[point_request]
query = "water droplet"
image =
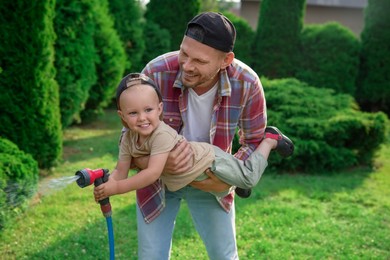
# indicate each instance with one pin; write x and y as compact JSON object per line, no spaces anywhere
{"x":49,"y":186}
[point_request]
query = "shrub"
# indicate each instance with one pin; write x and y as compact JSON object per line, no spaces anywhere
{"x":127,"y":16}
{"x":373,"y":91}
{"x":276,"y":47}
{"x":157,"y":41}
{"x":18,"y":180}
{"x":172,"y":16}
{"x":330,"y":57}
{"x":328,"y":130}
{"x":75,"y":57}
{"x":244,"y":39}
{"x":29,"y":100}
{"x":110,"y":65}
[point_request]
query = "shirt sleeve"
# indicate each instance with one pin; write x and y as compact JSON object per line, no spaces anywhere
{"x":252,"y":122}
{"x":163,"y":141}
{"x":124,"y":147}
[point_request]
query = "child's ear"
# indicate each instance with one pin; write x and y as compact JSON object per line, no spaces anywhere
{"x":160,"y":107}
{"x":119,"y":113}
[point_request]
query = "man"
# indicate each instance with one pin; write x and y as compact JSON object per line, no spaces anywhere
{"x":207,"y":94}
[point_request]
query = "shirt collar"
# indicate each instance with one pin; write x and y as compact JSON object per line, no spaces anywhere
{"x":223,"y":82}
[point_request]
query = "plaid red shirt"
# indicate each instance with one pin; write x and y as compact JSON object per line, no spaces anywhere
{"x":240,"y":103}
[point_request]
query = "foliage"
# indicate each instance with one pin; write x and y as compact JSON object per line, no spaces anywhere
{"x":373,"y":87}
{"x":172,"y":16}
{"x":331,"y":57}
{"x":29,"y":100}
{"x":276,"y":47}
{"x":18,"y":180}
{"x":157,"y":41}
{"x":208,"y":5}
{"x":111,"y":64}
{"x":244,"y":38}
{"x":328,"y":130}
{"x":127,"y":16}
{"x":75,"y":56}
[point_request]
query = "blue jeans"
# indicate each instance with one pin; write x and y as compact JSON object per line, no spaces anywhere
{"x":215,"y":226}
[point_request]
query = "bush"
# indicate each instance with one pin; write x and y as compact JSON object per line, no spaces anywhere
{"x":75,"y":57}
{"x":172,"y":16}
{"x":110,"y":65}
{"x":373,"y":82}
{"x":328,"y":130}
{"x":330,"y":57}
{"x":244,"y":39}
{"x":127,"y":16}
{"x":157,"y":41}
{"x":18,"y":180}
{"x":29,"y":100}
{"x":276,"y":47}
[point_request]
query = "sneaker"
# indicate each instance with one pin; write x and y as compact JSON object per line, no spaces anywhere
{"x":243,"y":193}
{"x":285,"y":146}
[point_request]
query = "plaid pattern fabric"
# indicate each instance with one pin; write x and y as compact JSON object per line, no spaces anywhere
{"x":240,"y":102}
{"x":151,"y":200}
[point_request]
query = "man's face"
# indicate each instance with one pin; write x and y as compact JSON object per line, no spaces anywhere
{"x":200,"y":64}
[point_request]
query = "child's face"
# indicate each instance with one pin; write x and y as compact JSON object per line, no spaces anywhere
{"x":140,"y":109}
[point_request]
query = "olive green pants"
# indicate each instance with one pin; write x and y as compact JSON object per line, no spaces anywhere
{"x":244,"y":174}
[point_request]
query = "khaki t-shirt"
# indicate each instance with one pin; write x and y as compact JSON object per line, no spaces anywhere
{"x":162,"y":140}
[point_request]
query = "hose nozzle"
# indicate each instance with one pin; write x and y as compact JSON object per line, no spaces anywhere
{"x":97,"y":177}
{"x":88,"y":176}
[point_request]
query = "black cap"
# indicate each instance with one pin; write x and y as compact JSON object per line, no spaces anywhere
{"x":218,"y":31}
{"x":133,"y":79}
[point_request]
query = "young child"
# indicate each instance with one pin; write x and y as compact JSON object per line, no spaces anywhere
{"x":140,"y":108}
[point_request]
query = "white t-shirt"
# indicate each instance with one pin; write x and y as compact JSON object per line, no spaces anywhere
{"x":200,"y":110}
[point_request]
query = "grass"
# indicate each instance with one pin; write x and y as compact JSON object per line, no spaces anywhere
{"x":335,"y":216}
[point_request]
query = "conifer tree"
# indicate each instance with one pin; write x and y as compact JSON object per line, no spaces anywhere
{"x":373,"y":84}
{"x":172,"y":16}
{"x":75,"y":56}
{"x":29,"y":99}
{"x":276,"y":47}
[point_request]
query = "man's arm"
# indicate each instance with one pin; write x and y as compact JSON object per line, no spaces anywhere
{"x":178,"y":162}
{"x":211,"y":184}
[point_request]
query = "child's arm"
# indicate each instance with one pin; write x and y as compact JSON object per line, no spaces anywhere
{"x":142,"y":179}
{"x":120,"y":172}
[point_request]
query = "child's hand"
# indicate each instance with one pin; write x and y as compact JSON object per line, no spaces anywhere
{"x":105,"y":190}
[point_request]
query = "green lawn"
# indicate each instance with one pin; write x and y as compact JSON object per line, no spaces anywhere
{"x":339,"y":216}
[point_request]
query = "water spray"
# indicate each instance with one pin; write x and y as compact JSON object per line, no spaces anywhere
{"x":98,"y":177}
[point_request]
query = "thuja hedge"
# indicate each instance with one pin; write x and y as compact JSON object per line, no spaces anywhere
{"x":373,"y":88}
{"x":29,"y":99}
{"x":18,"y":180}
{"x":244,"y":39}
{"x":173,"y":16}
{"x":156,"y":41}
{"x":128,"y":23}
{"x":110,"y":65}
{"x":329,"y":131}
{"x":75,"y":56}
{"x":276,"y":47}
{"x":331,"y":57}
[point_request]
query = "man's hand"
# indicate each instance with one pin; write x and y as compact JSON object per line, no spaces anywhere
{"x":211,"y":184}
{"x":179,"y":159}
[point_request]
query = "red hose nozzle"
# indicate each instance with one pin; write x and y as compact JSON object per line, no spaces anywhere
{"x":97,"y":177}
{"x":88,"y":176}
